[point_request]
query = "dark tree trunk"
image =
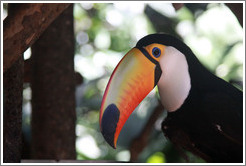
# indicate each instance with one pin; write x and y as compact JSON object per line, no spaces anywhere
{"x":53,"y":91}
{"x":12,"y":108}
{"x":12,"y":115}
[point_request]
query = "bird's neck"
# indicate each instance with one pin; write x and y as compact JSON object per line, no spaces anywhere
{"x":175,"y":83}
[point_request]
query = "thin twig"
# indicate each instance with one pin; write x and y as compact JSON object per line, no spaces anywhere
{"x":141,"y":141}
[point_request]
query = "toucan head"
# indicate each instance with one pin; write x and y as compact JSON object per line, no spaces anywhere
{"x":138,"y":72}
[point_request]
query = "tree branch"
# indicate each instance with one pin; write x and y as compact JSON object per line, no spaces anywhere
{"x":139,"y":143}
{"x":24,"y":26}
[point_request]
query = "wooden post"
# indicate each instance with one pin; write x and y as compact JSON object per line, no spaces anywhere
{"x":53,"y":91}
{"x":12,"y":107}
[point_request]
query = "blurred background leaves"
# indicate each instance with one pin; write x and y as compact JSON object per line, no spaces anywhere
{"x":104,"y":32}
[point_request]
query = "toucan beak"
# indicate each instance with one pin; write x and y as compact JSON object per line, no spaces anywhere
{"x":132,"y":80}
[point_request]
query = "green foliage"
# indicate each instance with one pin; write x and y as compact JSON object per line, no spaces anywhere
{"x":157,"y":157}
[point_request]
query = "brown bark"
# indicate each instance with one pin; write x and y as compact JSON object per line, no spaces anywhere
{"x":12,"y":115}
{"x":139,"y":143}
{"x":28,"y":73}
{"x":12,"y":108}
{"x":24,"y":26}
{"x":177,"y":6}
{"x":53,"y":91}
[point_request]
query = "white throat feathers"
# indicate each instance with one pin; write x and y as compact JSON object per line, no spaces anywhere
{"x":174,"y":84}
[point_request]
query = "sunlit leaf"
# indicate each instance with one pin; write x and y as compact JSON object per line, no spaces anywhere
{"x":157,"y":157}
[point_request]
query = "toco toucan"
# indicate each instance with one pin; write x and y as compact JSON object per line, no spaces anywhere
{"x":205,"y":113}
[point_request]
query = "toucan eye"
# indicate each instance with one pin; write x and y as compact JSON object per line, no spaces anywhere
{"x":156,"y":52}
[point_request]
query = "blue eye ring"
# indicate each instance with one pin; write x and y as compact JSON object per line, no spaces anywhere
{"x":156,"y":52}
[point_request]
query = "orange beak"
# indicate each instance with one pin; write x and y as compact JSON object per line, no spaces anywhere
{"x":132,"y":80}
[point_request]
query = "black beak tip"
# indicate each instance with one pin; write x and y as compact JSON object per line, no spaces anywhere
{"x":109,"y":123}
{"x":109,"y":139}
